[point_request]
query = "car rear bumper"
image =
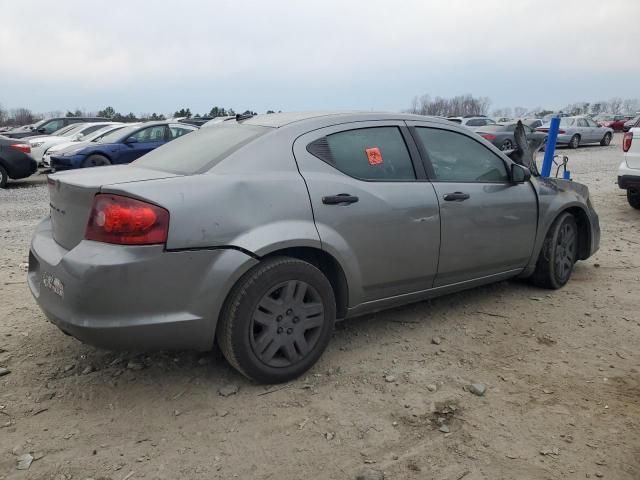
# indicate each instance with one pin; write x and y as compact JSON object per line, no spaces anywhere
{"x":628,"y":178}
{"x":132,"y":297}
{"x":22,"y":168}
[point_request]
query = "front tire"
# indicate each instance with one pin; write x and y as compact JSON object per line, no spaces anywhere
{"x":277,"y":320}
{"x":4,"y":177}
{"x":558,"y":255}
{"x":574,"y":142}
{"x":634,"y":199}
{"x":95,"y":161}
{"x":606,"y":140}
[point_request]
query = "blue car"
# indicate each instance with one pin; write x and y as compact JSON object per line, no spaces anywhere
{"x":120,"y":146}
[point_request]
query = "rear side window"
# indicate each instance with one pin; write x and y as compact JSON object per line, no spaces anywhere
{"x":457,"y":158}
{"x":200,"y":151}
{"x":476,"y":123}
{"x":377,"y":153}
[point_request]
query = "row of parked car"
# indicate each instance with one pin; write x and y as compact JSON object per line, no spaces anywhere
{"x":77,"y":142}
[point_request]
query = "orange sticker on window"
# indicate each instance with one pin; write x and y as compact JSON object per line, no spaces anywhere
{"x":374,"y":156}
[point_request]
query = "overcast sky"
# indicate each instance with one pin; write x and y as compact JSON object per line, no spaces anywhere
{"x":158,"y":56}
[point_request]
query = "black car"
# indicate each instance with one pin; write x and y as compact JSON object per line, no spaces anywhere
{"x":15,"y":161}
{"x":50,"y":125}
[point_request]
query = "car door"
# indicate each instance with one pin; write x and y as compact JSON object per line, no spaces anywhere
{"x":585,"y":132}
{"x":597,"y":132}
{"x":488,"y":224}
{"x":373,"y":207}
{"x":142,"y":142}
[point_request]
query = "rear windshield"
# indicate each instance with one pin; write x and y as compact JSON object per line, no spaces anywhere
{"x":454,"y":120}
{"x":201,"y":150}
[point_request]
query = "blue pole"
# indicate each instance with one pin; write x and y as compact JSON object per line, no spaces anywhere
{"x":550,"y":147}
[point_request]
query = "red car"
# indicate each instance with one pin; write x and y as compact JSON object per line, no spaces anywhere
{"x":612,"y":121}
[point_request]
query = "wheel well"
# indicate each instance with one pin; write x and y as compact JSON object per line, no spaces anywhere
{"x":584,"y":231}
{"x":327,"y":265}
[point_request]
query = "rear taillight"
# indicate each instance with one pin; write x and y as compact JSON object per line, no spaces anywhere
{"x":488,"y":136}
{"x":626,"y":141}
{"x":561,"y":132}
{"x":126,"y":221}
{"x":21,"y":147}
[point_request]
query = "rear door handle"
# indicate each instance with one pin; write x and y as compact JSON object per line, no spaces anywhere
{"x":340,"y":198}
{"x":456,"y":197}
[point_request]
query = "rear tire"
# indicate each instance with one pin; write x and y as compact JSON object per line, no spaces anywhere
{"x":606,"y":140}
{"x":95,"y":161}
{"x":574,"y":142}
{"x":558,"y":254}
{"x":634,"y":199}
{"x":4,"y":177}
{"x":277,"y":320}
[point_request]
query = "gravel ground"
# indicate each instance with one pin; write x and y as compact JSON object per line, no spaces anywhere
{"x":560,"y":368}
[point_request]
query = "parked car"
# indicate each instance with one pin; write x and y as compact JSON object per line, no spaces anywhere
{"x":15,"y":161}
{"x":471,"y":121}
{"x":502,"y":135}
{"x":121,"y":146}
{"x":51,"y":125}
{"x":629,"y":124}
{"x":629,"y":170}
{"x":261,"y":233}
{"x":533,"y":122}
{"x":75,"y":143}
{"x":576,"y":131}
{"x":616,"y":122}
{"x":40,"y":144}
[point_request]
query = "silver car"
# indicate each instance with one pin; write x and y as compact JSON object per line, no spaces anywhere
{"x":575,"y":131}
{"x":259,"y":234}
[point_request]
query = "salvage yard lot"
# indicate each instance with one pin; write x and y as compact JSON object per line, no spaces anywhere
{"x":561,"y":370}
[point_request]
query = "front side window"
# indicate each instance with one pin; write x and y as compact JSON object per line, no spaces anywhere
{"x":591,"y":123}
{"x":476,"y":123}
{"x":458,"y":158}
{"x":377,"y":153}
{"x":582,"y":122}
{"x":150,"y":134}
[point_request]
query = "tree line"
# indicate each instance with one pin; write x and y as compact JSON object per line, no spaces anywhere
{"x":457,"y":106}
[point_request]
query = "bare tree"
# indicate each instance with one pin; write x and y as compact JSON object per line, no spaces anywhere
{"x":3,"y":115}
{"x":446,"y":107}
{"x":519,"y":112}
{"x":22,"y":116}
{"x":615,"y":104}
{"x":630,"y":105}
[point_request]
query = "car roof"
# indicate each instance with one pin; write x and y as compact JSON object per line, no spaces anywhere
{"x":277,"y":120}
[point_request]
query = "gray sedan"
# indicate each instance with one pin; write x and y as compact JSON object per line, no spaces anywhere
{"x":259,"y":234}
{"x":575,"y":131}
{"x":502,"y":135}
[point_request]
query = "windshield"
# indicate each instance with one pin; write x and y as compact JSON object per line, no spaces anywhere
{"x":201,"y":150}
{"x":70,"y":130}
{"x":116,"y":135}
{"x":98,"y":134}
{"x":64,"y":130}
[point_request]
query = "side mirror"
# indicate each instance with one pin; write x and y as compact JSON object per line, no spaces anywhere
{"x":42,"y":130}
{"x":519,"y":173}
{"x":131,"y":140}
{"x":78,"y":137}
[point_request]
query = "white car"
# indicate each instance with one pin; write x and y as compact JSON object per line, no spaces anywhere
{"x":471,"y":121}
{"x":73,"y":143}
{"x":40,"y":144}
{"x":629,"y":171}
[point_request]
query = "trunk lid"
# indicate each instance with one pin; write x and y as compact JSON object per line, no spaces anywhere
{"x":71,"y":196}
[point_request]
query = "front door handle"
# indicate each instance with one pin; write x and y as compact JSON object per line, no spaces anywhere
{"x":456,"y":197}
{"x":340,"y":198}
